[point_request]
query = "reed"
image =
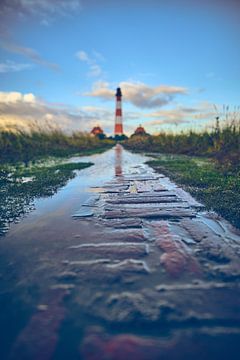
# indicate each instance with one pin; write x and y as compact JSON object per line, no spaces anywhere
{"x":222,"y":143}
{"x":27,"y":146}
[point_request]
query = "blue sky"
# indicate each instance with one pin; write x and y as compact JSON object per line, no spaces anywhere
{"x":61,"y":61}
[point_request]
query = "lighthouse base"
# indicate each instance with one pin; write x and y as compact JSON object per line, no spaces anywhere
{"x":118,"y":129}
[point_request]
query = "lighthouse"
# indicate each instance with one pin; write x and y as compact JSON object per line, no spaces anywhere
{"x":118,"y":113}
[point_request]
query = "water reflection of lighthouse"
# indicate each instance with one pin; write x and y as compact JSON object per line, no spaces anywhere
{"x":118,"y":160}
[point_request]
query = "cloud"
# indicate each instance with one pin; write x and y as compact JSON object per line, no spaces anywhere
{"x":83,"y":56}
{"x":44,"y":10}
{"x":16,"y":97}
{"x":23,"y":111}
{"x":9,"y":45}
{"x":98,"y":55}
{"x":139,"y":94}
{"x":95,"y":69}
{"x":101,"y":90}
{"x":11,"y":66}
{"x":181,"y":115}
{"x":18,"y":12}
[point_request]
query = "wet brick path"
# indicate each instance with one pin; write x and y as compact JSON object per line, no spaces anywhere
{"x":159,"y":280}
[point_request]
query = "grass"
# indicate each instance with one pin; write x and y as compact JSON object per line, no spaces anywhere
{"x":216,"y":188}
{"x":20,"y":185}
{"x":221,"y":143}
{"x":18,"y":146}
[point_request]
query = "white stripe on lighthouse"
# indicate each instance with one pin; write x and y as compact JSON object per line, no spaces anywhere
{"x":118,"y":120}
{"x":118,"y":105}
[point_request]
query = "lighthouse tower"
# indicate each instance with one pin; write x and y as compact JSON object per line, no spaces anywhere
{"x":118,"y":114}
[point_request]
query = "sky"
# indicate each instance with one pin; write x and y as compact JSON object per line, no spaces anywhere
{"x":177,"y":63}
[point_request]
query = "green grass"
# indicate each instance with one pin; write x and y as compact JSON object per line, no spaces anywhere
{"x":217,"y":189}
{"x":221,"y":143}
{"x":22,"y":146}
{"x":20,"y":185}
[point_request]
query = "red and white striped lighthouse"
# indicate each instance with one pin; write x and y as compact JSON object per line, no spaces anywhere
{"x":118,"y":114}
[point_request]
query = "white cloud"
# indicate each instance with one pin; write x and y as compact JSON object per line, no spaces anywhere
{"x":98,"y":55}
{"x":95,"y":69}
{"x":139,"y":94}
{"x":22,"y":111}
{"x":83,"y":56}
{"x":11,"y":66}
{"x":9,"y":45}
{"x":181,"y":116}
{"x":29,"y":98}
{"x":16,"y":97}
{"x":44,"y":10}
{"x":101,"y":90}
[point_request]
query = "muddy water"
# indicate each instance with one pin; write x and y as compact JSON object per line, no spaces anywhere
{"x":120,"y":264}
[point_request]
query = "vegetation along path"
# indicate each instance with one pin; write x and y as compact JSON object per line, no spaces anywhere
{"x":121,"y":264}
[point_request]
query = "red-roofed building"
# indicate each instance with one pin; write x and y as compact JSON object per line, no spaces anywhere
{"x":140,"y":131}
{"x":98,"y":132}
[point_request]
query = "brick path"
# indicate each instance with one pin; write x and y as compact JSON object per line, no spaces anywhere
{"x":159,"y":280}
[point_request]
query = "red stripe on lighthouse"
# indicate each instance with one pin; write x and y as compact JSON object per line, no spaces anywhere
{"x":119,"y":112}
{"x":118,"y":129}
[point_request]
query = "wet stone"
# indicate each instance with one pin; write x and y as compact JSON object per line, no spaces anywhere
{"x":140,"y":177}
{"x":143,"y":200}
{"x":159,"y":188}
{"x":188,"y":241}
{"x":153,"y":194}
{"x":86,"y":263}
{"x":146,"y":206}
{"x":91,"y":201}
{"x":229,"y":272}
{"x":196,"y":230}
{"x":131,"y":306}
{"x":130,"y":265}
{"x":115,"y":189}
{"x":143,"y":186}
{"x":127,"y":236}
{"x":67,"y":275}
{"x":83,"y":213}
{"x":149,"y":214}
{"x":117,"y":249}
{"x":42,"y":307}
{"x":197,"y":285}
{"x":177,"y":257}
{"x":123,"y":223}
{"x":38,"y":340}
{"x":63,"y":286}
{"x":216,"y":341}
{"x":174,"y":263}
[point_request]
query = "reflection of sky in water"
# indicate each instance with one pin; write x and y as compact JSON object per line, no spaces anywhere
{"x":62,"y":205}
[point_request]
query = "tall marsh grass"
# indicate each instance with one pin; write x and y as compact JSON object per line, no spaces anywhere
{"x":29,"y":145}
{"x":222,"y":143}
